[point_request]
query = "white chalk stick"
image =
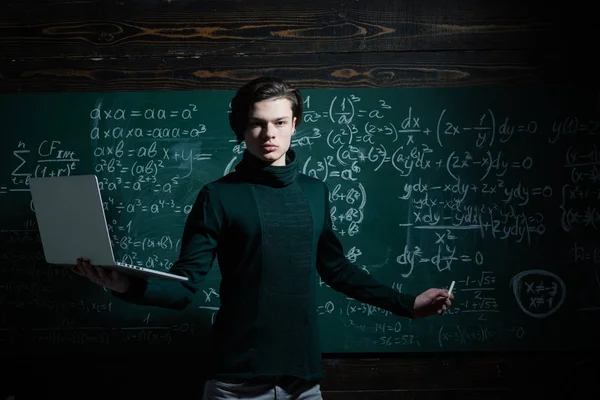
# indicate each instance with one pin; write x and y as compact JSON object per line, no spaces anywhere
{"x":451,"y":287}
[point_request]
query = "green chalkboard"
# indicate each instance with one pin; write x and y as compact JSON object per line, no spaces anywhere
{"x":495,"y":188}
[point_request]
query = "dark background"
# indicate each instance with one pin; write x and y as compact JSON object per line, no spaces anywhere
{"x":169,"y":45}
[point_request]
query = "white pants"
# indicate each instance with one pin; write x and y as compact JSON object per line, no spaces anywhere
{"x":288,"y":388}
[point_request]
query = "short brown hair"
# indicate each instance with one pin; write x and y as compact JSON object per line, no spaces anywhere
{"x":259,"y":89}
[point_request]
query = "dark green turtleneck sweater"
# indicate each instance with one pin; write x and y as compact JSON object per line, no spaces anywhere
{"x":270,"y":229}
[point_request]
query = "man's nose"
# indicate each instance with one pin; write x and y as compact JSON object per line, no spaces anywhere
{"x":269,"y":130}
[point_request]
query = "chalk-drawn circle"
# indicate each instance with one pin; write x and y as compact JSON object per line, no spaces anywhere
{"x":521,"y":289}
{"x":547,"y":191}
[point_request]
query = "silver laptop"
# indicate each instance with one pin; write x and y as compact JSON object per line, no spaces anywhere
{"x":72,"y":224}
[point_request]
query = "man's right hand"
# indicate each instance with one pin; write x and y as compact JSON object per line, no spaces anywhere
{"x":110,"y":279}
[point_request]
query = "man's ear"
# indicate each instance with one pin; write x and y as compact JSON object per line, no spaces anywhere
{"x":294,"y":125}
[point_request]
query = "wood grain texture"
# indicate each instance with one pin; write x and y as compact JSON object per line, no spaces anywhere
{"x":124,"y":28}
{"x":470,"y":376}
{"x":434,"y":371}
{"x":461,"y":371}
{"x":426,"y":69}
{"x":492,"y":394}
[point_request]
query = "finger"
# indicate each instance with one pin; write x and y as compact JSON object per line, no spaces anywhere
{"x":90,"y":272}
{"x":441,"y":299}
{"x":448,"y":303}
{"x":92,"y":269}
{"x":75,"y":269}
{"x":83,"y":270}
{"x":82,"y":265}
{"x":115,"y":275}
{"x":101,"y":272}
{"x":445,"y":297}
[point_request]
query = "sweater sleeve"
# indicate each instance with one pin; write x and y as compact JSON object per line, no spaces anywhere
{"x":345,"y":277}
{"x":197,"y":254}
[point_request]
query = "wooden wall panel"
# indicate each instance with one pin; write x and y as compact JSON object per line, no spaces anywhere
{"x":171,"y":28}
{"x":404,"y":376}
{"x":462,"y":371}
{"x":423,"y":69}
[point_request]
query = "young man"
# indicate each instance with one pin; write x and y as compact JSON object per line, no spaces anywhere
{"x":270,"y":228}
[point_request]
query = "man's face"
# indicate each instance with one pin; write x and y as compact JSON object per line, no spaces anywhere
{"x":269,"y":131}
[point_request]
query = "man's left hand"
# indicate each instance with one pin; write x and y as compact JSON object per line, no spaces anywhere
{"x":431,"y":302}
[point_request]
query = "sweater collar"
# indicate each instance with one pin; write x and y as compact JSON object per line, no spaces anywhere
{"x":256,"y":171}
